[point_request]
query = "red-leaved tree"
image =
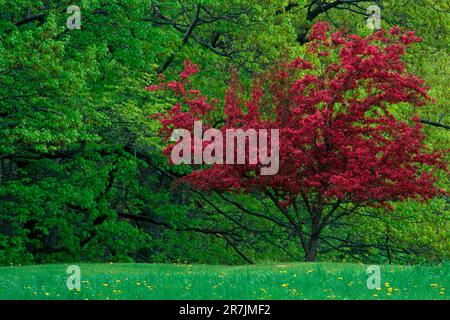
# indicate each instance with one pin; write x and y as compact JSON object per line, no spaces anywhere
{"x":341,"y":148}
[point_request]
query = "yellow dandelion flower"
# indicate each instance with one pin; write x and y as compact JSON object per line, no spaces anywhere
{"x":117,"y":281}
{"x":284,"y":285}
{"x":47,"y":294}
{"x":387,"y":284}
{"x":434,"y":285}
{"x":105,"y":285}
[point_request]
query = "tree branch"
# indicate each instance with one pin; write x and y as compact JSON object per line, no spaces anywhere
{"x":435,"y":124}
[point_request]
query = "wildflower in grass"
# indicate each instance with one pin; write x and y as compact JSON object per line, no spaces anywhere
{"x":138,"y":283}
{"x":47,"y":294}
{"x":434,"y":285}
{"x":387,"y":284}
{"x":117,"y":281}
{"x":340,"y":278}
{"x":284,"y":285}
{"x":389,"y":290}
{"x":105,"y":285}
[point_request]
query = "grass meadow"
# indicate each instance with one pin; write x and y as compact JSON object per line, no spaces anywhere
{"x":329,"y":281}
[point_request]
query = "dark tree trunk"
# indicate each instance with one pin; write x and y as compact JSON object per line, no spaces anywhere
{"x":311,"y":253}
{"x":313,"y":243}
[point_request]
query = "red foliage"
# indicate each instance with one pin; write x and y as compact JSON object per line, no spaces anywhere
{"x":337,"y":137}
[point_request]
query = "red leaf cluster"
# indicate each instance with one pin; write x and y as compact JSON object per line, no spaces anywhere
{"x":338,"y":137}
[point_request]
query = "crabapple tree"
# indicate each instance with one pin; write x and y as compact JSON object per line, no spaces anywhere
{"x":340,"y":146}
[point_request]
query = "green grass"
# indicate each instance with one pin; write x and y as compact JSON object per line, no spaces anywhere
{"x":275,"y":281}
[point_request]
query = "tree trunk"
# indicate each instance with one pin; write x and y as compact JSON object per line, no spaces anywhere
{"x":311,"y":253}
{"x":313,"y":243}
